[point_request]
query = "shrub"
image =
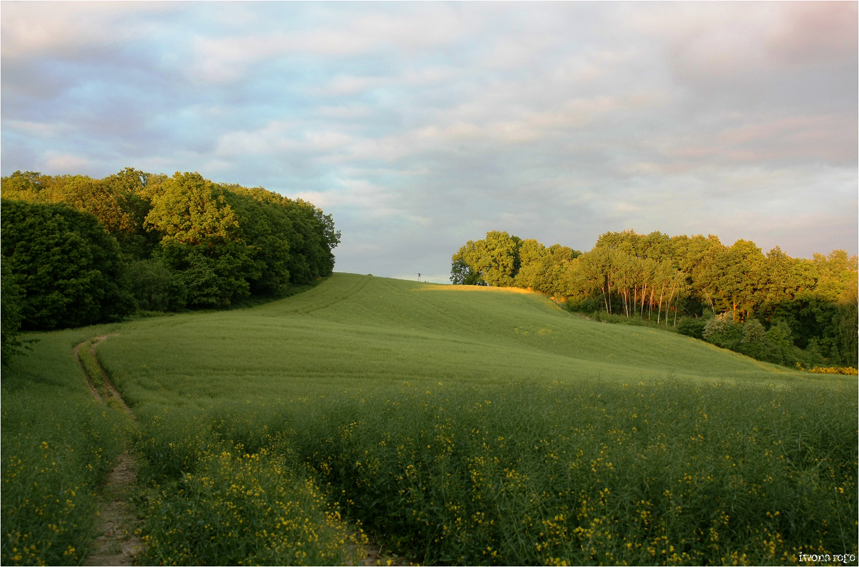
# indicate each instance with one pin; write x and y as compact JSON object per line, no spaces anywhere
{"x":691,"y":327}
{"x":721,"y":331}
{"x":835,"y":370}
{"x":753,"y":332}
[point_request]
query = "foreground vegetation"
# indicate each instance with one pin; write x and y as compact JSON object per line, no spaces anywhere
{"x":597,"y":473}
{"x":58,"y":442}
{"x":454,"y":424}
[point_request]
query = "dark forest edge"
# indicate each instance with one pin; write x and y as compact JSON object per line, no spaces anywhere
{"x":790,"y":311}
{"x":79,"y":251}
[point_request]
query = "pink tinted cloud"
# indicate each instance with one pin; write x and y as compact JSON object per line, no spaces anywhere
{"x":814,"y":32}
{"x":803,"y":138}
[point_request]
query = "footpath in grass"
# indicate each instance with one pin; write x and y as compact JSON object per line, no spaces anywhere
{"x":58,"y":443}
{"x":118,"y":543}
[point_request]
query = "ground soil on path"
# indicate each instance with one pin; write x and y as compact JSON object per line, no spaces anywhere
{"x":118,"y":526}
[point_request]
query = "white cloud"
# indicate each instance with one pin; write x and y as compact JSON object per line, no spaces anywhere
{"x":41,"y":129}
{"x":343,"y":85}
{"x":715,"y":41}
{"x":228,"y":59}
{"x":345,"y":112}
{"x":270,"y":139}
{"x":63,"y":163}
{"x":370,"y":199}
{"x":64,"y":29}
{"x":278,"y":138}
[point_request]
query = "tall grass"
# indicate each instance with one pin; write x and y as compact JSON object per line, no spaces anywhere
{"x":58,"y":442}
{"x":650,"y":473}
{"x":229,"y":492}
{"x":597,"y":473}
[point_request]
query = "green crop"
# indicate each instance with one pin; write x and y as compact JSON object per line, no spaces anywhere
{"x":467,"y":425}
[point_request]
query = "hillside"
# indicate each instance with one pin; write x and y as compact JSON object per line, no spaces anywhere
{"x":453,"y":424}
{"x":358,"y":331}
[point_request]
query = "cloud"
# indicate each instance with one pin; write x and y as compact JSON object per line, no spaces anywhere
{"x":44,"y":29}
{"x":810,"y":138}
{"x":808,"y":34}
{"x":228,"y":59}
{"x":66,"y":162}
{"x":38,"y":129}
{"x":345,"y":112}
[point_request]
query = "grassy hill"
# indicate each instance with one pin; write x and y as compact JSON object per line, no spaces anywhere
{"x":356,"y":331}
{"x":457,"y":425}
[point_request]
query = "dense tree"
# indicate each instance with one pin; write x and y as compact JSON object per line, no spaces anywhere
{"x":846,"y":323}
{"x":210,"y":244}
{"x":156,"y":286}
{"x":736,"y":272}
{"x":493,"y":261}
{"x":543,"y":269}
{"x":807,"y":309}
{"x":68,"y":267}
{"x":10,"y":313}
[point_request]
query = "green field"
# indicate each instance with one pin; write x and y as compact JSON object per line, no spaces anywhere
{"x":456,"y":425}
{"x":367,"y":332}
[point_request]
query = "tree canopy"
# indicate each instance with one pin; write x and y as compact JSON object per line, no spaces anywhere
{"x":811,"y":303}
{"x":174,"y":242}
{"x":66,"y":265}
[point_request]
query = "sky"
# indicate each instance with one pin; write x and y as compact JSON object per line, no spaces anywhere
{"x":420,"y":126}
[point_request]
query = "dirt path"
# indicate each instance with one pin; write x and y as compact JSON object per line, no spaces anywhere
{"x":362,"y":551}
{"x":118,"y":542}
{"x":92,"y":389}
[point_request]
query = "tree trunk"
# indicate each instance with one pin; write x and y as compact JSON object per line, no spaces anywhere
{"x":635,"y":296}
{"x":659,"y":311}
{"x":643,"y":299}
{"x":668,"y":303}
{"x":605,"y":300}
{"x":650,"y":305}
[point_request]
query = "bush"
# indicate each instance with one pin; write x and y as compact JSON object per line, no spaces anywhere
{"x":721,"y":331}
{"x":691,"y":327}
{"x":753,"y":332}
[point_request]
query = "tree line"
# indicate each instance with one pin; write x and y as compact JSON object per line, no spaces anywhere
{"x":770,"y":306}
{"x":78,"y":251}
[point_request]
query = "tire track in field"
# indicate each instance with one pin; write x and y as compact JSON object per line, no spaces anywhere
{"x":352,"y":291}
{"x":89,"y":383}
{"x":118,"y":543}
